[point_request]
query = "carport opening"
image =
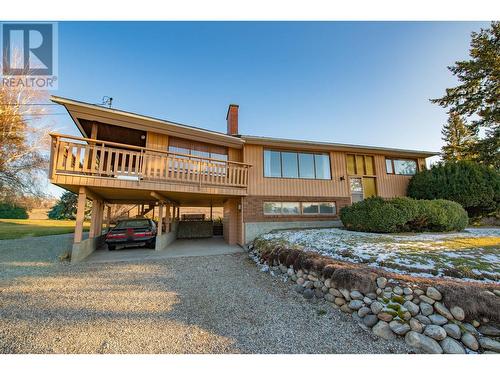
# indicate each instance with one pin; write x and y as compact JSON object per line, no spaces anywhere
{"x":120,"y":212}
{"x":192,"y":222}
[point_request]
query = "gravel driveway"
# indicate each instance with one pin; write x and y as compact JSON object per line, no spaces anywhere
{"x":213,"y":304}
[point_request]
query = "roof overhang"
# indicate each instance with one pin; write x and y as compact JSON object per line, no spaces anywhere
{"x":325,"y":146}
{"x":85,"y":111}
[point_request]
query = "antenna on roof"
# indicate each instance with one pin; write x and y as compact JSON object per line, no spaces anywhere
{"x":107,"y":100}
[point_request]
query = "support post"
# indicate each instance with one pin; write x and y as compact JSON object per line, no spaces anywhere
{"x":211,"y":211}
{"x":80,"y":215}
{"x":100,"y":217}
{"x":160,"y":220}
{"x":108,"y":218}
{"x":167,"y":218}
{"x":94,"y":218}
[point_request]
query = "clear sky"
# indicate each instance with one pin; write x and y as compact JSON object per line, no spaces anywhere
{"x":348,"y":82}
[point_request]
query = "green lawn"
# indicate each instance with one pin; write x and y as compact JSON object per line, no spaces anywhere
{"x":17,"y":228}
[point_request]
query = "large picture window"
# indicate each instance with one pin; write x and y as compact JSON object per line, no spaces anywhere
{"x":289,"y":164}
{"x":406,"y":167}
{"x":202,"y":150}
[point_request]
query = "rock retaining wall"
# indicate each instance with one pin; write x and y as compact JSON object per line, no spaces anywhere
{"x":396,"y":309}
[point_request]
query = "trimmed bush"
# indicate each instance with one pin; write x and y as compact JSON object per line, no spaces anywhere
{"x":404,"y":215}
{"x":476,"y":187}
{"x":12,"y":211}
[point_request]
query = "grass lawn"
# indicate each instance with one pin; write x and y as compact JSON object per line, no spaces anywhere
{"x":473,"y":254}
{"x":17,"y":228}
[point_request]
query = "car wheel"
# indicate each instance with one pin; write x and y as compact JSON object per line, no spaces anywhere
{"x":152,"y":244}
{"x":111,"y":247}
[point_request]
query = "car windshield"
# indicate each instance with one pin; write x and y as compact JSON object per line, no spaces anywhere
{"x":132,"y":224}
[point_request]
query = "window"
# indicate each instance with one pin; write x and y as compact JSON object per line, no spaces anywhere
{"x":289,"y":164}
{"x":297,"y":208}
{"x":360,"y":165}
{"x":199,"y":149}
{"x":310,"y":208}
{"x":290,"y":208}
{"x":401,"y":166}
{"x":327,"y":208}
{"x":322,"y":166}
{"x":281,"y":208}
{"x":356,"y":189}
{"x":272,"y":163}
{"x":388,"y":166}
{"x":272,"y":208}
{"x":306,"y":165}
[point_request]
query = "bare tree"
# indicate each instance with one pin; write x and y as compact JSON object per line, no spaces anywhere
{"x":24,"y":141}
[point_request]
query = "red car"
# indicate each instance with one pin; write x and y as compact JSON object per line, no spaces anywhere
{"x":132,"y":232}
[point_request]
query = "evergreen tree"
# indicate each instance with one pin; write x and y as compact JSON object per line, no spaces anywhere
{"x":476,"y":187}
{"x":478,"y":94}
{"x":65,"y":208}
{"x":460,"y":140}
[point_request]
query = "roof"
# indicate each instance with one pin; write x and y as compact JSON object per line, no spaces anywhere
{"x":315,"y":145}
{"x":79,"y":110}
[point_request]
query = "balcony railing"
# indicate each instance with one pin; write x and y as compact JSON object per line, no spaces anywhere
{"x":94,"y":158}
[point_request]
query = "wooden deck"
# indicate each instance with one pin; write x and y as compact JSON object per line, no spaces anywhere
{"x":89,"y":162}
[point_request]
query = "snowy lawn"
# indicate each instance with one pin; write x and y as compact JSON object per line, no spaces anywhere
{"x":473,"y":254}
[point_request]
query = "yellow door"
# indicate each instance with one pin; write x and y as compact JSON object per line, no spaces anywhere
{"x":369,"y":187}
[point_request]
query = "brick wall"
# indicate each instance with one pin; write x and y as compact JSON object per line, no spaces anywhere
{"x":253,"y":210}
{"x":232,"y":221}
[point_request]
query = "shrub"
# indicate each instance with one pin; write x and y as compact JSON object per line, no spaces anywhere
{"x":373,"y":213}
{"x":12,"y":211}
{"x":403,"y":215}
{"x":476,"y":187}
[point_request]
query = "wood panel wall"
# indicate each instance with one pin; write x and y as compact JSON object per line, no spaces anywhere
{"x":388,"y":186}
{"x":258,"y":185}
{"x":157,"y":141}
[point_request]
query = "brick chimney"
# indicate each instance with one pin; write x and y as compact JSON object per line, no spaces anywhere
{"x":232,"y":119}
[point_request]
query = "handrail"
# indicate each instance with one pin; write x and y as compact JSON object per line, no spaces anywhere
{"x":90,"y":140}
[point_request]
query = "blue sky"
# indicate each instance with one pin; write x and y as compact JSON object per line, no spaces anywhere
{"x":348,"y":82}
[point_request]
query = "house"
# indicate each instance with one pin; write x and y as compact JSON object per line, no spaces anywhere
{"x":261,"y":183}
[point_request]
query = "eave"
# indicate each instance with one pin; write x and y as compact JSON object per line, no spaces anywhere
{"x":91,"y":112}
{"x":326,"y":146}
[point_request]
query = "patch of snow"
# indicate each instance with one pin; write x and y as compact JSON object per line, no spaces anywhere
{"x":402,"y":253}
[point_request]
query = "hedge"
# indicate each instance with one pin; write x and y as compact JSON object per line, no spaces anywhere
{"x":476,"y":187}
{"x":404,"y":215}
{"x":12,"y":211}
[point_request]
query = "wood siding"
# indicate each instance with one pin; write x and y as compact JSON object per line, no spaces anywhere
{"x":387,"y":186}
{"x":260,"y":185}
{"x":157,"y":141}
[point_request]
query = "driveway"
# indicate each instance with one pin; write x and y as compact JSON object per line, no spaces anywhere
{"x":201,"y":304}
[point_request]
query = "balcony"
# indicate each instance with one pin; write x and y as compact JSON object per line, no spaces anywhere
{"x":95,"y":159}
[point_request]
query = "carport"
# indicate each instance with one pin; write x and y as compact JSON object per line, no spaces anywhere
{"x":168,"y":209}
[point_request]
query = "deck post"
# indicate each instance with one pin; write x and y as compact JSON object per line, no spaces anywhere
{"x":94,"y":218}
{"x":167,"y":218}
{"x":108,"y":218}
{"x":80,"y":215}
{"x":100,"y":217}
{"x":160,"y":220}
